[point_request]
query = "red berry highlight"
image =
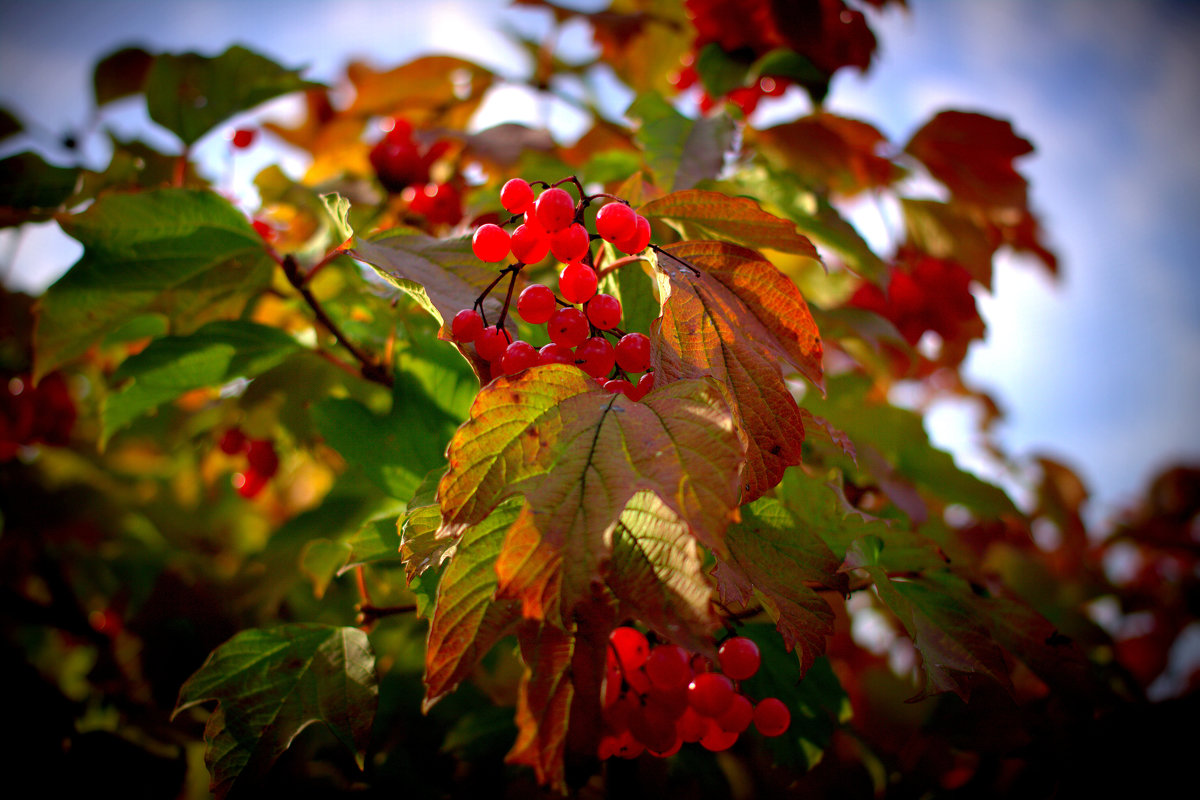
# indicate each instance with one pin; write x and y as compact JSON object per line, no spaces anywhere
{"x":567,"y":327}
{"x":529,"y":244}
{"x":616,"y":222}
{"x":710,"y":693}
{"x":577,"y":282}
{"x":554,"y":209}
{"x":536,"y":304}
{"x":518,"y":357}
{"x":570,"y":244}
{"x":492,"y":342}
{"x":633,"y":352}
{"x":771,"y":717}
{"x":466,"y":326}
{"x":604,"y":311}
{"x":739,"y":658}
{"x":490,"y":243}
{"x":516,"y":196}
{"x":595,"y":357}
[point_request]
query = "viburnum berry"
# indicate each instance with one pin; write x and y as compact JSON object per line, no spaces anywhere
{"x":518,"y":357}
{"x":555,"y":209}
{"x":490,"y":243}
{"x":604,"y":311}
{"x":492,"y":342}
{"x":691,"y":726}
{"x":516,"y":196}
{"x":261,"y":455}
{"x":638,"y":241}
{"x":242,"y":138}
{"x":530,"y":244}
{"x":644,"y":385}
{"x":718,"y":739}
{"x":232,"y":441}
{"x":710,"y":693}
{"x":654,"y":729}
{"x":629,"y":647}
{"x":619,"y":385}
{"x":569,"y":244}
{"x":556,"y":354}
{"x":466,"y":326}
{"x":536,"y":304}
{"x":668,"y":667}
{"x":633,"y":352}
{"x":567,"y":327}
{"x":739,"y":658}
{"x":771,"y":716}
{"x":616,"y":222}
{"x":439,"y":203}
{"x":738,"y":716}
{"x":577,"y":282}
{"x":595,"y":356}
{"x":249,"y":483}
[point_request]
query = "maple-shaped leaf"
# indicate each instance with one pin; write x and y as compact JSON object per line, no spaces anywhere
{"x":701,"y":214}
{"x":729,"y":313}
{"x":776,"y":556}
{"x":972,"y":154}
{"x":271,"y":684}
{"x":578,"y":456}
{"x":830,"y":153}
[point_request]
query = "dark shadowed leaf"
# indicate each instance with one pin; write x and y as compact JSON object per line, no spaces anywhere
{"x":120,"y":74}
{"x":270,"y":684}
{"x":28,"y":182}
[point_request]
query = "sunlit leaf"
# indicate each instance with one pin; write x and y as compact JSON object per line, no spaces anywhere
{"x":702,"y":214}
{"x":829,"y":153}
{"x":680,"y":151}
{"x":544,"y":701}
{"x":270,"y":684}
{"x":973,"y":154}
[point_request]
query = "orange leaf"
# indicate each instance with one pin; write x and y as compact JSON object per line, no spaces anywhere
{"x":701,"y":214}
{"x":544,"y":702}
{"x":831,"y":153}
{"x":736,"y":318}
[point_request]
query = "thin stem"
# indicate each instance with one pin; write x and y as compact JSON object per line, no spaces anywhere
{"x":620,"y":262}
{"x":368,"y":614}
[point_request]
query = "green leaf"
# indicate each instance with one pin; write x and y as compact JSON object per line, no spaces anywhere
{"x":120,"y":74}
{"x":215,"y":354}
{"x":376,"y":540}
{"x":718,"y":72}
{"x":680,"y":151}
{"x":28,"y":182}
{"x":190,"y":94}
{"x":699,"y":214}
{"x":339,"y":211}
{"x":395,"y":452}
{"x":173,"y":251}
{"x":270,"y":684}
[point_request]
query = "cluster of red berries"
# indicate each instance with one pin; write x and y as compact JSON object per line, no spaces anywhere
{"x":262,"y":462}
{"x":579,"y":321}
{"x":29,"y":414}
{"x":927,"y":294}
{"x":657,"y":698}
{"x":402,"y":164}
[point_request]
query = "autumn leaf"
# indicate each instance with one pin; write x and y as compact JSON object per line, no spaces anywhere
{"x":578,"y":456}
{"x":544,"y":701}
{"x":729,"y":313}
{"x":829,"y":153}
{"x":972,"y":154}
{"x":441,"y":89}
{"x":700,"y":214}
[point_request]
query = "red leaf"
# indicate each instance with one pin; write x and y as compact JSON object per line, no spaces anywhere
{"x":972,"y":154}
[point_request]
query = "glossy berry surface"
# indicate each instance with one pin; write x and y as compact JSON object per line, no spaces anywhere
{"x":577,"y":282}
{"x":669,"y":667}
{"x":738,"y":716}
{"x":615,"y":222}
{"x":569,"y":244}
{"x":710,"y":693}
{"x":232,"y":442}
{"x":555,"y":209}
{"x":518,"y":357}
{"x":261,"y":455}
{"x":604,"y":311}
{"x":530,"y":244}
{"x":466,"y":326}
{"x":492,"y":343}
{"x":644,"y":385}
{"x":619,"y":385}
{"x":638,"y":241}
{"x":633,"y":352}
{"x":595,"y":356}
{"x":739,"y":658}
{"x":567,"y":327}
{"x":771,"y":717}
{"x":536,"y":304}
{"x":556,"y":354}
{"x":629,"y":646}
{"x":242,"y":138}
{"x":490,"y":243}
{"x":516,"y":196}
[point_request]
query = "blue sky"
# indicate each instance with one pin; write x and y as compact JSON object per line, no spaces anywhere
{"x":1100,"y":369}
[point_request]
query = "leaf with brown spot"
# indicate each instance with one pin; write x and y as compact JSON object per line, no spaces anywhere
{"x":700,"y":214}
{"x":579,"y":455}
{"x":730,"y":314}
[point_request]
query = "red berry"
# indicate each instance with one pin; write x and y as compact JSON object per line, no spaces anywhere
{"x":232,"y":442}
{"x":466,"y":326}
{"x":567,"y":327}
{"x":633,"y":352}
{"x":630,"y":647}
{"x":738,"y":716}
{"x":653,"y":728}
{"x":710,"y":693}
{"x":518,"y":357}
{"x":718,"y":739}
{"x":261,"y":455}
{"x":264,"y":230}
{"x":492,"y":342}
{"x":628,"y":746}
{"x":516,"y":196}
{"x":490,"y":243}
{"x":440,"y":204}
{"x":672,"y":702}
{"x":536,"y":304}
{"x":604,"y":311}
{"x":595,"y":356}
{"x":771,"y":717}
{"x":615,"y":222}
{"x":555,"y":209}
{"x":249,"y":483}
{"x":739,"y":658}
{"x":638,"y":241}
{"x":570,"y":244}
{"x":555,"y":354}
{"x":669,"y":667}
{"x":242,"y":138}
{"x":530,"y":244}
{"x":644,"y":385}
{"x":397,"y":162}
{"x":691,"y":726}
{"x":619,"y":385}
{"x":577,"y":282}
